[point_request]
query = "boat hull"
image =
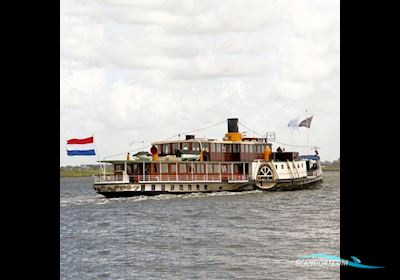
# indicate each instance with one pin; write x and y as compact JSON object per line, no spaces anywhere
{"x":290,"y":185}
{"x":127,"y":190}
{"x":149,"y":189}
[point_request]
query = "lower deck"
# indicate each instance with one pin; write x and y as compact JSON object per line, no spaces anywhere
{"x":178,"y":188}
{"x":191,"y":177}
{"x":128,"y":189}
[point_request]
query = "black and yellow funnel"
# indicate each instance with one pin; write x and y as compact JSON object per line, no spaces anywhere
{"x":233,"y":131}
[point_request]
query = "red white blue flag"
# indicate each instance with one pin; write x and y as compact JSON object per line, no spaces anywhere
{"x":81,"y":147}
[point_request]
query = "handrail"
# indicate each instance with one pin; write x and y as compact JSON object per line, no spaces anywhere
{"x":171,"y":178}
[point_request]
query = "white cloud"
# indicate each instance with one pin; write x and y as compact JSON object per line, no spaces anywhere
{"x":150,"y":69}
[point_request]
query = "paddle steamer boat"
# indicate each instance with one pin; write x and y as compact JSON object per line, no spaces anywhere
{"x":198,"y":165}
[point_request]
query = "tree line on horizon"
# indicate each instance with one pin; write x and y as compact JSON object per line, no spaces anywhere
{"x":331,"y":163}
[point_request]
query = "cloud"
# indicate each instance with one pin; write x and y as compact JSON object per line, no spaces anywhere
{"x":150,"y":69}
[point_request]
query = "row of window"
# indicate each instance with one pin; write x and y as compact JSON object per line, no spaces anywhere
{"x":183,"y":168}
{"x":171,"y":148}
{"x":211,"y":147}
{"x":172,"y":187}
{"x":283,"y":166}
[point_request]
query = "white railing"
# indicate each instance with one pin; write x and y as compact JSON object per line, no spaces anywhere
{"x":111,"y":178}
{"x":190,"y":177}
{"x":313,"y":173}
{"x":172,"y":178}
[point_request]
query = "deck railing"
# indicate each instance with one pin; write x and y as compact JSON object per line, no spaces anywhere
{"x":111,"y":178}
{"x":189,"y":177}
{"x":172,"y":178}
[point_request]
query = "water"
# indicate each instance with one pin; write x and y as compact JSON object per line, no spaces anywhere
{"x":248,"y":235}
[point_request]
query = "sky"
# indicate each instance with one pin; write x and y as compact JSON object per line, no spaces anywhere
{"x":135,"y":72}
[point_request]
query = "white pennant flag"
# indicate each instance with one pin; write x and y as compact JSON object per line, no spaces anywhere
{"x":294,"y":124}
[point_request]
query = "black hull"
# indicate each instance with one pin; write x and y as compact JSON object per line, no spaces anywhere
{"x":293,"y":186}
{"x":147,"y":193}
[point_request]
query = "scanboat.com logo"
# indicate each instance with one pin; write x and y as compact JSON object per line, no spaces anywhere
{"x":330,"y":260}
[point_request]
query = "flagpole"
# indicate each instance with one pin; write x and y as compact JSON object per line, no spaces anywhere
{"x":97,"y":155}
{"x":291,"y":139}
{"x":308,"y":127}
{"x":308,"y":146}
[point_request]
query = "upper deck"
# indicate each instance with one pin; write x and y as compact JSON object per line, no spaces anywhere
{"x":213,"y":150}
{"x":233,"y":147}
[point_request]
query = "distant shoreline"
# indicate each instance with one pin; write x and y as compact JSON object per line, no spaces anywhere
{"x":331,"y":168}
{"x":86,"y":173}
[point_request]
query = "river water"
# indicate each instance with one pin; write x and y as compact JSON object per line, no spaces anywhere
{"x":247,"y":235}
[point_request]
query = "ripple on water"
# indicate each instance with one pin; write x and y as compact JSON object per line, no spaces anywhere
{"x":226,"y":235}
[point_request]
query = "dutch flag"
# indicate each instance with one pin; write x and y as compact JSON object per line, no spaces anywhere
{"x":81,"y":147}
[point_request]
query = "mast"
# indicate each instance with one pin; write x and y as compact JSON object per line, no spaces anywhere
{"x":98,"y":158}
{"x":308,"y":127}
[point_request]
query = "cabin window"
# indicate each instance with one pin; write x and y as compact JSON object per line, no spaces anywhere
{"x":298,"y":165}
{"x":185,"y":146}
{"x":182,"y":168}
{"x":250,"y":148}
{"x":235,"y":148}
{"x":218,"y":148}
{"x":200,"y":168}
{"x":189,"y":187}
{"x":153,"y":187}
{"x":181,"y":187}
{"x":143,"y":188}
{"x":209,"y":168}
{"x":172,"y":167}
{"x":223,"y":167}
{"x":164,"y":168}
{"x":191,"y":168}
{"x":206,"y":147}
{"x":195,"y":147}
{"x":175,"y":146}
{"x":172,"y":187}
{"x":276,"y":166}
{"x":228,"y":148}
{"x":212,"y":147}
{"x":246,"y":148}
{"x":118,"y":167}
{"x":216,"y":168}
{"x":224,"y":148}
{"x":197,"y":187}
{"x":165,"y":149}
{"x":205,"y":187}
{"x":136,"y":169}
{"x":162,"y":188}
{"x":301,"y":165}
{"x":129,"y":168}
{"x":242,"y":148}
{"x":281,"y":166}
